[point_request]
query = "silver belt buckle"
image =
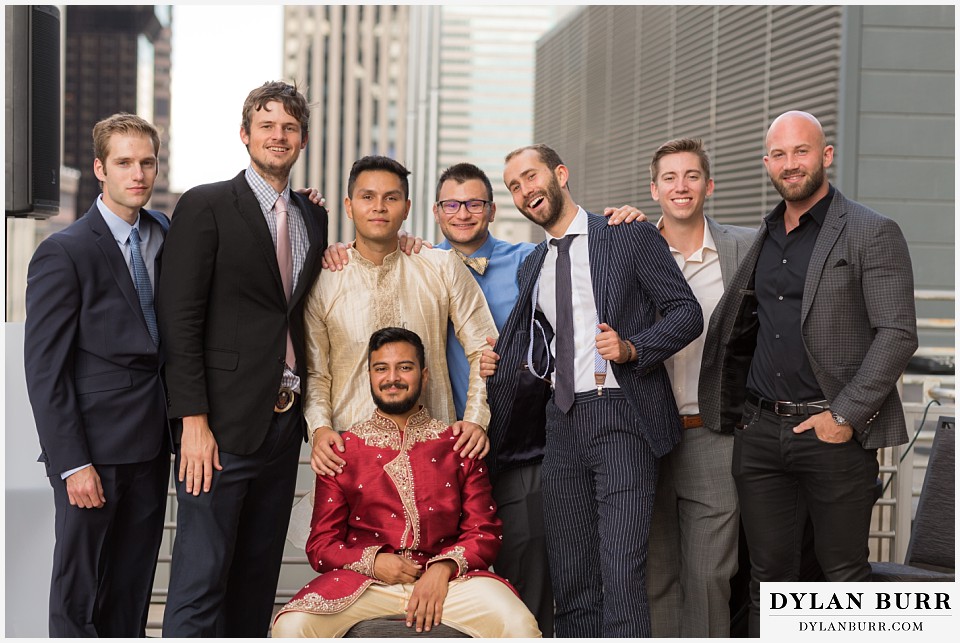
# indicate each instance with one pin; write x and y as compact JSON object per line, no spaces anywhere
{"x":285,"y":397}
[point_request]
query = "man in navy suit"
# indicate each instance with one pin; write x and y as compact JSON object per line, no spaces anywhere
{"x":618,"y":306}
{"x":92,"y":359}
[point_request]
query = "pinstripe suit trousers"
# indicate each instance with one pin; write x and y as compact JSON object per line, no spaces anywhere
{"x":599,"y":477}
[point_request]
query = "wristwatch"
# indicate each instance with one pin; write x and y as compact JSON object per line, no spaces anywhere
{"x":839,"y":419}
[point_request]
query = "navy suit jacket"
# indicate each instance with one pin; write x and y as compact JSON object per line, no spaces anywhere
{"x":223,"y":313}
{"x":93,"y":371}
{"x":641,"y":293}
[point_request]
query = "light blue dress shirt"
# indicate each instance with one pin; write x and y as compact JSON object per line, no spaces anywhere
{"x":499,"y":285}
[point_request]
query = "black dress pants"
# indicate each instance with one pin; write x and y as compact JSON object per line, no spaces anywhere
{"x":781,"y":478}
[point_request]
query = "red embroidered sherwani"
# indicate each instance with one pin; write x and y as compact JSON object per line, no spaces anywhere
{"x":406,"y":493}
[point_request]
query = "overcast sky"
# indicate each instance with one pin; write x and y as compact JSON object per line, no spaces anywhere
{"x":219,"y":54}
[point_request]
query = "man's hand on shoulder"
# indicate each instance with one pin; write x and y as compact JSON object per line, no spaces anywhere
{"x":313,"y":195}
{"x":623,"y":214}
{"x":429,"y":593}
{"x":323,"y":459}
{"x":393,"y":569}
{"x":199,"y":454}
{"x":473,"y":439}
{"x":84,"y":489}
{"x":410,"y":244}
{"x":335,"y":256}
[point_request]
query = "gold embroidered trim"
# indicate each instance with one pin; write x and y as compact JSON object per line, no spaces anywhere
{"x":383,"y":433}
{"x":365,"y":564}
{"x":401,"y":473}
{"x":457,"y":555}
{"x":316,"y":604}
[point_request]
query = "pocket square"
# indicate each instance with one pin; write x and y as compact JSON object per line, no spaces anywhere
{"x":841,"y":263}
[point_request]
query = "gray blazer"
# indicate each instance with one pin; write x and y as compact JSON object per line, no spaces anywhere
{"x":732,"y":242}
{"x":858,"y":321}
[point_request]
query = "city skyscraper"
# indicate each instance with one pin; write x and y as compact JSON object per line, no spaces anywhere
{"x":110,"y":65}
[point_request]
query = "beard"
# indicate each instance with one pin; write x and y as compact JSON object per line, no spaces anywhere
{"x":399,"y":406}
{"x":803,"y":190}
{"x":554,"y":196}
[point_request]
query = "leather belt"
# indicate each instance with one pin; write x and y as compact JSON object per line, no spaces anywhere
{"x":789,"y":408}
{"x":691,"y":421}
{"x":285,"y":399}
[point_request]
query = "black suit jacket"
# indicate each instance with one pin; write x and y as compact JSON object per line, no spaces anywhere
{"x":635,"y":279}
{"x":223,"y":314}
{"x":92,"y":369}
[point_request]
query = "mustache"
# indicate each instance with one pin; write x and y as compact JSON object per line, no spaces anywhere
{"x":397,"y":385}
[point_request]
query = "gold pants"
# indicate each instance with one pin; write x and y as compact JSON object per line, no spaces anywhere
{"x":481,"y":607}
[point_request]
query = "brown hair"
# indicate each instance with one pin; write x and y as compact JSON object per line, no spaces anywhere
{"x":122,"y":123}
{"x":675,"y":146}
{"x":294,"y":103}
{"x":547,"y":155}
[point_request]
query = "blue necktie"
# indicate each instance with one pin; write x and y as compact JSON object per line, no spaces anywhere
{"x":141,"y":279}
{"x":564,"y":391}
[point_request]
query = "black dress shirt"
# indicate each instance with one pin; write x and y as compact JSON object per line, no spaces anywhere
{"x":780,"y":369}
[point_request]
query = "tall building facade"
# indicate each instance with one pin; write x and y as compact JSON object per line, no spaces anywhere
{"x":351,"y":62}
{"x":110,"y":65}
{"x":427,"y":85}
{"x":614,"y":82}
{"x":487,"y":58}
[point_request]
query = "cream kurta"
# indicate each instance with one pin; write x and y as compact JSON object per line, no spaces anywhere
{"x":420,"y":293}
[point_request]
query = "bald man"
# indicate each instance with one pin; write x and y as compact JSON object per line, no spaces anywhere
{"x":815,"y":330}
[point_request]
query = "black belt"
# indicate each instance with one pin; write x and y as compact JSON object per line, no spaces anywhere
{"x":789,"y":408}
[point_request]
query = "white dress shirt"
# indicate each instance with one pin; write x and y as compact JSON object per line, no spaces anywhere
{"x":584,"y":305}
{"x":702,"y":272}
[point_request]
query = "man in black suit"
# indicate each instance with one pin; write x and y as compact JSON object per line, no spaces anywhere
{"x":242,"y":254}
{"x":92,"y":360}
{"x":612,"y":414}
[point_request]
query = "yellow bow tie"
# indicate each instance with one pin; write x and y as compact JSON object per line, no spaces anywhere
{"x":478,"y":264}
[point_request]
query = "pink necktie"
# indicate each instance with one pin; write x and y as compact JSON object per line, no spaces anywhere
{"x":285,"y":261}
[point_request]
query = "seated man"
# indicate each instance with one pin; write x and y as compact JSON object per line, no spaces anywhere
{"x":391,"y":533}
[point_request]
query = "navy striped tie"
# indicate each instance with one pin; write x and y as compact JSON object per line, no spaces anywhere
{"x":141,"y":279}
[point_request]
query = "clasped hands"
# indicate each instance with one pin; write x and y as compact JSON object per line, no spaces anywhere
{"x":425,"y":607}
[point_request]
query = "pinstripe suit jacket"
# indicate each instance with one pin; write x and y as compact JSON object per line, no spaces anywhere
{"x":634,"y":278}
{"x":858,"y":322}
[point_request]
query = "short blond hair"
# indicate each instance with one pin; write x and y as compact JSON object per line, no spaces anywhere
{"x":122,"y":123}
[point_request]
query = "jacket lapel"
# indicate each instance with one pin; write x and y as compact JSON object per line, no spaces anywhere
{"x":832,"y":227}
{"x":597,"y":239}
{"x":114,"y":260}
{"x":313,"y":251}
{"x":249,"y":209}
{"x":727,"y":249}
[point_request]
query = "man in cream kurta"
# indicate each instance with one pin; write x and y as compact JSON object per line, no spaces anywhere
{"x":379,"y":287}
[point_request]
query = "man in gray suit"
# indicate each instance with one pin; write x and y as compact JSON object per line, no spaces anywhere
{"x":694,"y":531}
{"x":815,"y":330}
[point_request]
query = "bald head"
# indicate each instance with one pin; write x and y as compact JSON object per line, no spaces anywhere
{"x":797,"y":158}
{"x":797,"y":121}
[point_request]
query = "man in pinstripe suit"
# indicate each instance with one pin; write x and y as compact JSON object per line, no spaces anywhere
{"x":694,"y":533}
{"x":815,"y":331}
{"x":612,"y":413}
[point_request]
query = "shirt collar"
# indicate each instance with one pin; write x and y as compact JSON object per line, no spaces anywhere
{"x":119,"y":228}
{"x":818,"y":212}
{"x":708,"y":242}
{"x":264,"y":192}
{"x":579,"y":225}
{"x":486,"y":250}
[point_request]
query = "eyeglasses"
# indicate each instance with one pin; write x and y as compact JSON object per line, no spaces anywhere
{"x":473,"y":206}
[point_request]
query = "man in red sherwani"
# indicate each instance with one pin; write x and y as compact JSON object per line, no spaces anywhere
{"x":409,"y":527}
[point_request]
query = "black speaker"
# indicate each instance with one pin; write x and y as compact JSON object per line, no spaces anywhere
{"x":32,"y":111}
